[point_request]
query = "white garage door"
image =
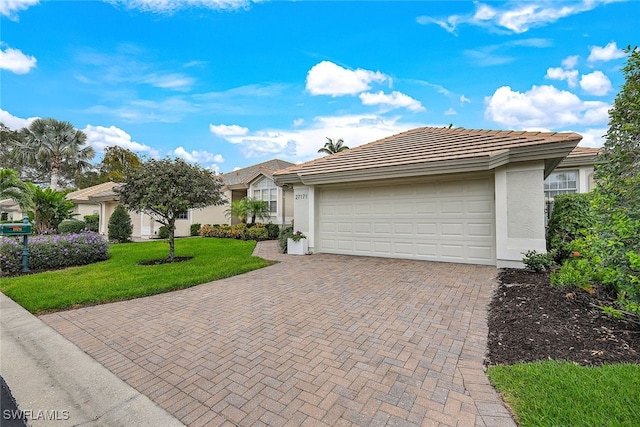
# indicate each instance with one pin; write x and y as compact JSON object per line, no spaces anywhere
{"x":450,"y":221}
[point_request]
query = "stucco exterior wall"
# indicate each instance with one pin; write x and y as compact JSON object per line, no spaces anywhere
{"x":83,"y":209}
{"x":519,"y":212}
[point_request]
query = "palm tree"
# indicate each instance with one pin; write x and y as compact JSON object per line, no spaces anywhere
{"x":331,"y":147}
{"x":11,"y":187}
{"x":55,"y":146}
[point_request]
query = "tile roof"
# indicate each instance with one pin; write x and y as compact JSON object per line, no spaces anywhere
{"x":430,"y":150}
{"x":242,"y":177}
{"x":84,"y":194}
{"x":581,"y":156}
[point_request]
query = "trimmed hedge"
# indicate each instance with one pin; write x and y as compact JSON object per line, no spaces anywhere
{"x":195,"y":229}
{"x":71,"y":226}
{"x":92,"y":222}
{"x":53,"y":251}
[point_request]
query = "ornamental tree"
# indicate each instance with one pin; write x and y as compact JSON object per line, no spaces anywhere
{"x":165,"y":189}
{"x":617,"y":196}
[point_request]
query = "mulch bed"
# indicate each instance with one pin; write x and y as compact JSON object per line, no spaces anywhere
{"x":530,"y":320}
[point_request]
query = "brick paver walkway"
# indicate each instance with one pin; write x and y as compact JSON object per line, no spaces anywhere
{"x":313,"y":340}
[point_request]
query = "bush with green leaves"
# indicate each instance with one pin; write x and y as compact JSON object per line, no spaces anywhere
{"x":194,"y":229}
{"x":163,"y":232}
{"x":71,"y":226}
{"x":257,"y":232}
{"x":92,"y":222}
{"x":537,"y":261}
{"x":571,"y":219}
{"x":273,"y":230}
{"x":54,"y":251}
{"x":120,"y":225}
{"x":285,"y":234}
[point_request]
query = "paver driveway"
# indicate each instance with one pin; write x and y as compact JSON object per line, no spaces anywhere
{"x":314,"y":340}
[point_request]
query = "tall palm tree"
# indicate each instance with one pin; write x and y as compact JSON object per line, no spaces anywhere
{"x":331,"y":147}
{"x":11,"y":187}
{"x":55,"y":146}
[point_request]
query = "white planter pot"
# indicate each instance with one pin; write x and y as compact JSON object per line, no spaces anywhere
{"x":301,"y":247}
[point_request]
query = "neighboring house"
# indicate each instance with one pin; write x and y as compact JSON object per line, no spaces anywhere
{"x":455,"y":195}
{"x":10,"y":211}
{"x":573,"y":175}
{"x":253,"y":181}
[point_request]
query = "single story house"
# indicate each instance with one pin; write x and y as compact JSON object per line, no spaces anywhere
{"x":254,"y":181}
{"x":454,"y":195}
{"x":10,"y":211}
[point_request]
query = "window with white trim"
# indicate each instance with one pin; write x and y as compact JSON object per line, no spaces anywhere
{"x":266,"y":190}
{"x":561,"y":182}
{"x":183,"y":215}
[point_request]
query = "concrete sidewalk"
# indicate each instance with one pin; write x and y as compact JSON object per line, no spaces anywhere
{"x":57,"y":384}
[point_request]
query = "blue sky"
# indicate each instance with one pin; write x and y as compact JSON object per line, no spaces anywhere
{"x":231,"y":83}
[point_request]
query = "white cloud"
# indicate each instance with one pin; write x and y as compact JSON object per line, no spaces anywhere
{"x":169,"y":110}
{"x":393,"y":100}
{"x":557,"y":73}
{"x":13,"y":122}
{"x":594,"y":137}
{"x":15,"y":61}
{"x":298,"y":122}
{"x":516,"y":17}
{"x":570,"y":62}
{"x":595,"y":83}
{"x":303,"y":144}
{"x":170,"y":81}
{"x":228,"y":130}
{"x":607,"y":53}
{"x":100,"y":137}
{"x":543,"y":106}
{"x":172,"y":6}
{"x":450,"y":112}
{"x":464,"y":99}
{"x":327,"y":78}
{"x":9,"y":8}
{"x":200,"y":157}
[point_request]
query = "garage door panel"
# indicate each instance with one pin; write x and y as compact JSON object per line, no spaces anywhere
{"x":449,"y":230}
{"x":446,"y":221}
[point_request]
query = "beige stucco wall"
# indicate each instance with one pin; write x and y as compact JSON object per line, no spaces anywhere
{"x":519,"y":211}
{"x":85,"y":208}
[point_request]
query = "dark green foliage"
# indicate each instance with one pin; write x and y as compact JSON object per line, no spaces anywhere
{"x":617,"y":201}
{"x":538,"y":262}
{"x":194,"y":230}
{"x":120,"y":226}
{"x":285,"y":233}
{"x":571,"y":219}
{"x":50,"y":208}
{"x":167,"y":188}
{"x":71,"y":226}
{"x":273,"y":231}
{"x":163,"y":232}
{"x":92,"y":222}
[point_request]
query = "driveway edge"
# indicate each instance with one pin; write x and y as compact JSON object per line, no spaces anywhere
{"x":56,"y":383}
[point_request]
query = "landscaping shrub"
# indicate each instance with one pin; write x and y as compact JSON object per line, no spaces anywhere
{"x":273,"y":230}
{"x":71,"y":226}
{"x":92,"y":222}
{"x":120,"y":226}
{"x":195,"y":229}
{"x":163,"y":232}
{"x":257,"y":232}
{"x":52,"y":252}
{"x":572,"y":217}
{"x":285,"y":233}
{"x":538,"y":262}
{"x":10,"y":254}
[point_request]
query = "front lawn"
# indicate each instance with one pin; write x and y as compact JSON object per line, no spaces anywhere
{"x":120,"y":277}
{"x":553,"y":393}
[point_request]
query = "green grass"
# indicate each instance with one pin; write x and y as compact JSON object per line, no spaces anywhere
{"x":120,"y":277}
{"x":553,"y":393}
